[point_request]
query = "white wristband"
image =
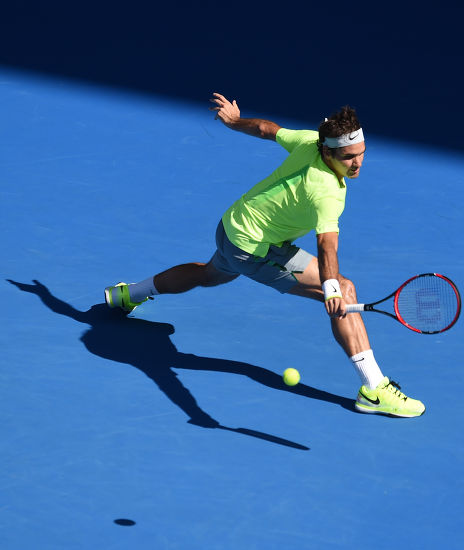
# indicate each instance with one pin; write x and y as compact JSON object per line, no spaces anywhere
{"x":331,"y":289}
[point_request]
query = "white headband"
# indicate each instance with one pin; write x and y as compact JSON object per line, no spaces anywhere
{"x":345,"y":140}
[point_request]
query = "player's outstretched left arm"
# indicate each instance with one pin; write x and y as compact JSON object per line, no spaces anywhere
{"x":229,"y":114}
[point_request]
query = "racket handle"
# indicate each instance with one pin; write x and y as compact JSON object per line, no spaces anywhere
{"x":354,"y":308}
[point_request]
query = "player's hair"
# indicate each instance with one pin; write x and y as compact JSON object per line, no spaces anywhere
{"x":339,"y":123}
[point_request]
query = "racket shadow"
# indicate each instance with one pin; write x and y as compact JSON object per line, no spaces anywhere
{"x":146,"y":345}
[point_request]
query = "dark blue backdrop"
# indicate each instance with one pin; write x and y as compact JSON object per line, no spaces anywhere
{"x":398,"y":63}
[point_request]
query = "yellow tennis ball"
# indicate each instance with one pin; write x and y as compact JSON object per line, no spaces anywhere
{"x":291,"y":377}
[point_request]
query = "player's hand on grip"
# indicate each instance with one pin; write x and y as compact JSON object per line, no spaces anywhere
{"x":336,"y":308}
{"x":226,"y":112}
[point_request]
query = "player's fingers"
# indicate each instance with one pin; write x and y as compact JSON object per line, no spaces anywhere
{"x":334,"y":308}
{"x":342,"y":309}
{"x":217,"y":102}
{"x":220,"y":100}
{"x":338,"y":315}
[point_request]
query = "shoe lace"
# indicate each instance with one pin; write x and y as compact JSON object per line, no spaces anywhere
{"x":395,"y":388}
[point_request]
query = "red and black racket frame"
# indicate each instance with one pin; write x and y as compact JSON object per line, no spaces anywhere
{"x":397,"y":315}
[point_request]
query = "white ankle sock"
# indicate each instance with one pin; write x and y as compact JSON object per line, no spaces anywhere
{"x":367,"y":368}
{"x":139,"y":291}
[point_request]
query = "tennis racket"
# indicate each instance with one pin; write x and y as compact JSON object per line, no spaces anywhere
{"x":429,"y":303}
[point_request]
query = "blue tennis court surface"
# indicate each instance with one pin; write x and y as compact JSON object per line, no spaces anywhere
{"x":176,"y":418}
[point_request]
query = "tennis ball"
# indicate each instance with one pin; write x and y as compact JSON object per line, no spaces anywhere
{"x":291,"y":377}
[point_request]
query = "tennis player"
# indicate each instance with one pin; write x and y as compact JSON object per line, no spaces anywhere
{"x":255,"y":235}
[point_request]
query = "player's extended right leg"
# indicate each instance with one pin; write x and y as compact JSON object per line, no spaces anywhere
{"x":387,"y":399}
{"x":118,"y":296}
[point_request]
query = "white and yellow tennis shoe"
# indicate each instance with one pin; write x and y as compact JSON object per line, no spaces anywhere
{"x":387,"y":398}
{"x":118,"y":296}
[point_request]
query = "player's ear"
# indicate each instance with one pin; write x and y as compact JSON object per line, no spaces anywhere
{"x":326,"y":152}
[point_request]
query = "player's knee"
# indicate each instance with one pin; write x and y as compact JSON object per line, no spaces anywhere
{"x":214,"y":277}
{"x":205,"y":274}
{"x":348,"y":290}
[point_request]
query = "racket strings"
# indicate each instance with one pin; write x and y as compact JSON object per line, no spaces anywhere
{"x":428,"y":303}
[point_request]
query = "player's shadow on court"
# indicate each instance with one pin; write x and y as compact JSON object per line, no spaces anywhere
{"x":146,"y":345}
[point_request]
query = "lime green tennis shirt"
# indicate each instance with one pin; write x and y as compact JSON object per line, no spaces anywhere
{"x":301,"y":195}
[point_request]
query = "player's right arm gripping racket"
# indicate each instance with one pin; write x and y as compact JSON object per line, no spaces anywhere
{"x":429,"y":303}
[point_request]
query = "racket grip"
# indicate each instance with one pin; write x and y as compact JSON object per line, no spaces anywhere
{"x":354,"y":308}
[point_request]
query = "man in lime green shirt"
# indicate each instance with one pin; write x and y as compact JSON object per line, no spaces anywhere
{"x":301,"y":195}
{"x":255,"y":238}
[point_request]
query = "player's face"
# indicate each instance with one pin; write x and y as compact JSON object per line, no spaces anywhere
{"x":346,"y":162}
